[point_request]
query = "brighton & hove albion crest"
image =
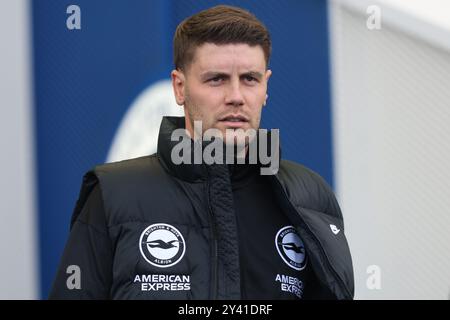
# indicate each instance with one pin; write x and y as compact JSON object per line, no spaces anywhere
{"x":162,"y":245}
{"x":291,"y":248}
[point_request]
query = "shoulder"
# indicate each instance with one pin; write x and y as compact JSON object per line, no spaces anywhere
{"x":132,"y":176}
{"x":306,"y":188}
{"x":298,"y":174}
{"x":122,"y":174}
{"x":129,"y":172}
{"x":120,"y":183}
{"x":127,"y":168}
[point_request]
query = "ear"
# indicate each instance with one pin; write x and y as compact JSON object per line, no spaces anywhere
{"x":178,"y":84}
{"x":267,"y":76}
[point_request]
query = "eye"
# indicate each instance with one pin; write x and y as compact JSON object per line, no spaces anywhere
{"x":216,"y":80}
{"x":250,"y":79}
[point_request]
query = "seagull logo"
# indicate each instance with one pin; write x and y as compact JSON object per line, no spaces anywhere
{"x":161,"y":244}
{"x":292,"y":246}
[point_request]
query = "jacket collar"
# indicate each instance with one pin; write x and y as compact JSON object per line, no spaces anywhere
{"x":188,"y":172}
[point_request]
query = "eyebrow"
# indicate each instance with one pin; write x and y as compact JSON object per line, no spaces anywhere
{"x":213,"y":74}
{"x":254,"y":74}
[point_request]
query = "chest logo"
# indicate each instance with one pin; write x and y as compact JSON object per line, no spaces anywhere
{"x":162,"y":245}
{"x":290,"y":248}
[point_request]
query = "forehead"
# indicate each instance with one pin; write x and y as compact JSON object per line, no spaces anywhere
{"x":210,"y":56}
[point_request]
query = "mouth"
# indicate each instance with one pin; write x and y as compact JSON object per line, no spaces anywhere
{"x":234,"y":121}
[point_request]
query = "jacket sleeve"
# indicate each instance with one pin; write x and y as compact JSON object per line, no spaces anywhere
{"x":85,"y":269}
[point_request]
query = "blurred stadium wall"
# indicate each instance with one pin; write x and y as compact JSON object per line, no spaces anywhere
{"x":367,"y":109}
{"x":391,"y":109}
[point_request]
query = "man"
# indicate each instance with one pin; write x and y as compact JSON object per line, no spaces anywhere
{"x":160,"y":228}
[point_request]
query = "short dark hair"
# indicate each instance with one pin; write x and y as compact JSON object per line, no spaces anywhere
{"x":219,"y":25}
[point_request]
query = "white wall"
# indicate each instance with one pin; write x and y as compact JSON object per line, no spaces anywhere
{"x":18,"y":241}
{"x":391,"y":116}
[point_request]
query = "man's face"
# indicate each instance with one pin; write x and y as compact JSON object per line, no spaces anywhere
{"x":224,"y":87}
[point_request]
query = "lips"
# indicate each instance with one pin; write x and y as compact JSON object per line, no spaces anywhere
{"x":234,"y":121}
{"x":234,"y":118}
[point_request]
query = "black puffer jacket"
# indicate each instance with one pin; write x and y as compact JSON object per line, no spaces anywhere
{"x":190,"y":205}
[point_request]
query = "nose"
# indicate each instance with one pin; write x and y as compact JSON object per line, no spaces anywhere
{"x":234,"y":95}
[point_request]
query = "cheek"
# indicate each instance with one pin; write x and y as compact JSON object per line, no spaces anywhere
{"x":207,"y":98}
{"x":255,"y":98}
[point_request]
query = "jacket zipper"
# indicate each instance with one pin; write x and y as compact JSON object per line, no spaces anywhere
{"x":214,"y":248}
{"x":322,"y":250}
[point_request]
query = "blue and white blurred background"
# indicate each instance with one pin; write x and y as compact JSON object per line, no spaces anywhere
{"x":368,"y":108}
